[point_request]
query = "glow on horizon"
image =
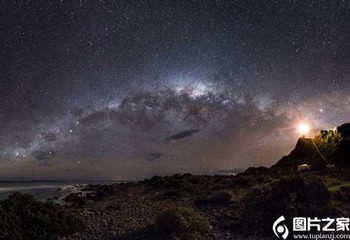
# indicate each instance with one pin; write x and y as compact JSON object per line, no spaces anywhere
{"x":303,"y":128}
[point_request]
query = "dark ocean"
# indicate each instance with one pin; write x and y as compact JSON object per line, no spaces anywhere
{"x":43,"y":190}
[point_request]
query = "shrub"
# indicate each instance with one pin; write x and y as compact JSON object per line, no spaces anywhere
{"x":244,"y":181}
{"x":342,"y":194}
{"x":174,"y":194}
{"x":181,"y":222}
{"x":218,"y":198}
{"x":290,"y":196}
{"x":22,"y":217}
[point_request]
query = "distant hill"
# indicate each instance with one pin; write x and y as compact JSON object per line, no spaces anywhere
{"x":327,"y":147}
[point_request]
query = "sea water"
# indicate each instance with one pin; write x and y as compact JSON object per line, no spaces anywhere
{"x":42,"y":191}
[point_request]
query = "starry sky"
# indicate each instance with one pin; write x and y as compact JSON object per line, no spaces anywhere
{"x":129,"y":89}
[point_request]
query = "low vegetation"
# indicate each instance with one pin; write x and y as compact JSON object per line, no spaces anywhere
{"x":290,"y":196}
{"x":22,"y":217}
{"x":182,"y":223}
{"x":216,"y":198}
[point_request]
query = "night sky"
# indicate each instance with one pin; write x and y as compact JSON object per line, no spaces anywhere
{"x":130,"y":89}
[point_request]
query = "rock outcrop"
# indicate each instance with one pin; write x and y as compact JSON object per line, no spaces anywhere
{"x":328,"y":147}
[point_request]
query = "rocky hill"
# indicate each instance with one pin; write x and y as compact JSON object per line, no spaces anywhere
{"x":329,"y":147}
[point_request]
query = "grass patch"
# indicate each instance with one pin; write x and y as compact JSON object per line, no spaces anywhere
{"x":337,"y":188}
{"x":182,"y":223}
{"x":22,"y":217}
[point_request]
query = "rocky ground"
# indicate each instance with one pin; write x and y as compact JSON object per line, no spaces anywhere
{"x":232,"y":204}
{"x":128,"y":211}
{"x":125,"y":214}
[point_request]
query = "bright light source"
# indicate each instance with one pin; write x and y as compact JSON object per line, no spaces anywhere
{"x":303,"y":128}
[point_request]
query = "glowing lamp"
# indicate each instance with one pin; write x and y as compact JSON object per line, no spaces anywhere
{"x":303,"y":128}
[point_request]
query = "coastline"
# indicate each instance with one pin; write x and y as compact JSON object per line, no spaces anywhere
{"x":44,"y":190}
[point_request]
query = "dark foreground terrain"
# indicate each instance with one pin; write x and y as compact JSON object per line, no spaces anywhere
{"x":209,"y":207}
{"x":196,"y":207}
{"x":181,"y":207}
